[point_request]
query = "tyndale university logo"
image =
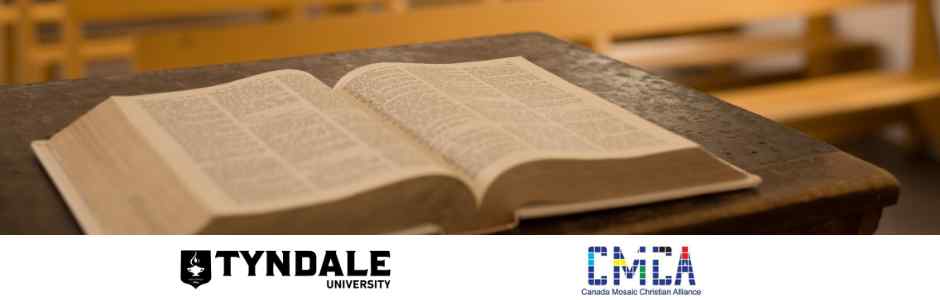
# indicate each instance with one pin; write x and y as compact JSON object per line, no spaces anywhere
{"x":195,"y":267}
{"x":349,"y":269}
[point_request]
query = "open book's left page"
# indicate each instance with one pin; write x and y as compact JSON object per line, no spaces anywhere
{"x":277,"y":139}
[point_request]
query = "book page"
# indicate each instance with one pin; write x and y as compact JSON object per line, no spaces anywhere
{"x":488,"y":116}
{"x":277,"y":140}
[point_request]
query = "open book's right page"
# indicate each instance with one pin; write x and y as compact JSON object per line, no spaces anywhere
{"x":488,"y":117}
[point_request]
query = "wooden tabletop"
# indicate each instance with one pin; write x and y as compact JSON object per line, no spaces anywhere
{"x":809,"y":186}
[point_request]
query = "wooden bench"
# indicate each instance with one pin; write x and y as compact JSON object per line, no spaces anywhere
{"x":22,"y":17}
{"x":717,"y":49}
{"x":76,"y":49}
{"x":602,"y":37}
{"x":721,"y":60}
{"x":32,"y":61}
{"x":598,"y":22}
{"x":872,"y":97}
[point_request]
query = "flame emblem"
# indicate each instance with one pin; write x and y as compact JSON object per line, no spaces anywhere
{"x":194,"y":268}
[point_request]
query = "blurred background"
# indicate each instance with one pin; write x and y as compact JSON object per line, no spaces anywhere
{"x":860,"y":74}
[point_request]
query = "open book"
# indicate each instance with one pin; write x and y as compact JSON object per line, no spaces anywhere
{"x":393,"y":147}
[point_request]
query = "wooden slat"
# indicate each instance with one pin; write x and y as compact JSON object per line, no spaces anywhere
{"x":24,"y":42}
{"x":5,"y":57}
{"x":93,"y":49}
{"x":396,"y":5}
{"x":8,"y":14}
{"x":569,"y":19}
{"x":82,"y":12}
{"x":832,"y":95}
{"x":46,"y":55}
{"x":73,"y":66}
{"x":818,"y":30}
{"x":925,"y":53}
{"x":925,"y":62}
{"x":47,"y":12}
{"x":123,"y":10}
{"x":107,"y":48}
{"x":850,"y":126}
{"x":716,"y":49}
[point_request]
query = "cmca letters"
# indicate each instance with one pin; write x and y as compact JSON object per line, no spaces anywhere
{"x":651,"y":269}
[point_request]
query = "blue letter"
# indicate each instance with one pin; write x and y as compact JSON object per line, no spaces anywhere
{"x":591,"y":250}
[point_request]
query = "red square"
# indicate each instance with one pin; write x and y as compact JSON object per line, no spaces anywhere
{"x":685,"y":248}
{"x":685,"y":255}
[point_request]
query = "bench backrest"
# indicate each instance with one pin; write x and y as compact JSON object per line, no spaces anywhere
{"x":124,"y":10}
{"x":19,"y":20}
{"x":593,"y":21}
{"x":80,"y":51}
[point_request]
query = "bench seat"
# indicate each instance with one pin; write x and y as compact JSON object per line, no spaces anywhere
{"x":833,"y":95}
{"x":718,"y":49}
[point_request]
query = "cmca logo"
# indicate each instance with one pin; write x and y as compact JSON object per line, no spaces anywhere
{"x":621,"y":269}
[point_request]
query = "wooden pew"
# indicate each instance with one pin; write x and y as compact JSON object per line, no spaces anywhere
{"x":84,"y":12}
{"x":73,"y":51}
{"x":24,"y":16}
{"x":861,"y":99}
{"x":77,"y":54}
{"x":596,"y":22}
{"x":30,"y":59}
{"x":703,"y":48}
{"x":715,"y":49}
{"x":717,"y":60}
{"x":76,"y":51}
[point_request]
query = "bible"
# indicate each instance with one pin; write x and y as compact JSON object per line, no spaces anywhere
{"x":392,"y":148}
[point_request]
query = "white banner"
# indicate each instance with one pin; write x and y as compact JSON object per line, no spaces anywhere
{"x":469,"y":267}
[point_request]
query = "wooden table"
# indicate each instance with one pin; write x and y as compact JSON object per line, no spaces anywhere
{"x":809,"y":186}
